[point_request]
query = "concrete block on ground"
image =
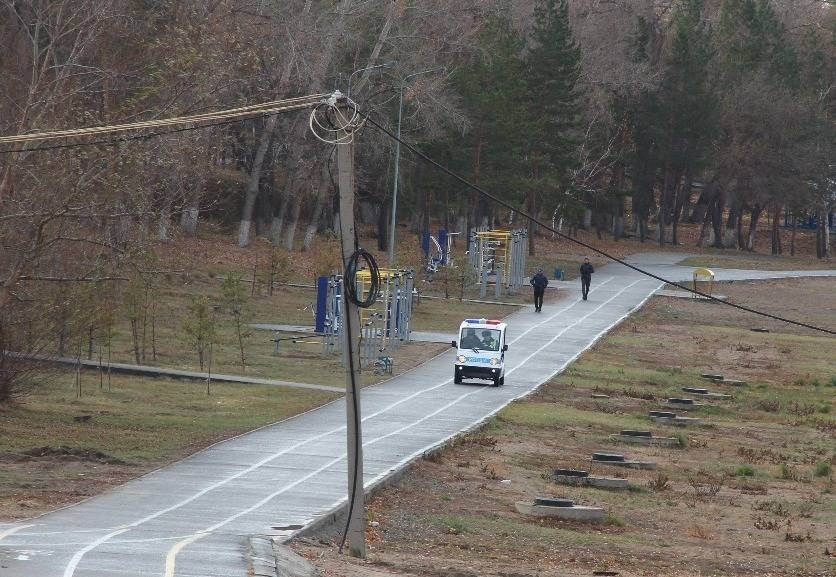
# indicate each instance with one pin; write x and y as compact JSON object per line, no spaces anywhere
{"x":591,"y":481}
{"x":676,"y":420}
{"x":621,"y":461}
{"x":574,"y":513}
{"x":667,"y":414}
{"x":654,"y":441}
{"x":706,"y":393}
{"x":684,"y":404}
{"x":635,"y":433}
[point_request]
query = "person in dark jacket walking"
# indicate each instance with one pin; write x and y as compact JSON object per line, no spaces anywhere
{"x":586,"y":277}
{"x":539,"y":282}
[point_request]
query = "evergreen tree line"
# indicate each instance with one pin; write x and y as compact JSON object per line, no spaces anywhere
{"x":729,"y":119}
{"x":626,"y":117}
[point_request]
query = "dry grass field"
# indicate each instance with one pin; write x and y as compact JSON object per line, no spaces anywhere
{"x":750,"y":491}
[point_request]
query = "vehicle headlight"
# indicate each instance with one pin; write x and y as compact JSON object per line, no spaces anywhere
{"x":461,"y":358}
{"x":494,"y":361}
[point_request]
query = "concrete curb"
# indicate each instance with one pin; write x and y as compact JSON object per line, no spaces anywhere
{"x":266,"y":558}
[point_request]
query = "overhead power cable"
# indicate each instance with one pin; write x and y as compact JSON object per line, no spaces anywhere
{"x":130,"y":137}
{"x":603,"y":253}
{"x":196,"y":120}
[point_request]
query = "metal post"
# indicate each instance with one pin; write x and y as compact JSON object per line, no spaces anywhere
{"x":397,"y":164}
{"x":395,"y":185}
{"x":351,"y":329}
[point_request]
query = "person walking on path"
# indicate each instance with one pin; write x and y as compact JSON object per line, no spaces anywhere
{"x":586,"y":277}
{"x":539,"y":282}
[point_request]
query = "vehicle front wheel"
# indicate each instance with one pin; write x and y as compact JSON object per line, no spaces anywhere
{"x":502,"y":380}
{"x":497,"y":381}
{"x":457,"y":378}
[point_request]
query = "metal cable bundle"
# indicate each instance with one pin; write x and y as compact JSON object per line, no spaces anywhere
{"x":352,"y":267}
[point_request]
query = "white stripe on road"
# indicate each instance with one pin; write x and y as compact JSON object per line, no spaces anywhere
{"x":13,"y":530}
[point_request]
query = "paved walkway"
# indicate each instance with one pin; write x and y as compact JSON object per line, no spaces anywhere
{"x":194,"y":517}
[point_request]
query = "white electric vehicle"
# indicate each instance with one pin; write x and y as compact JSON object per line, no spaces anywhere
{"x":480,"y":351}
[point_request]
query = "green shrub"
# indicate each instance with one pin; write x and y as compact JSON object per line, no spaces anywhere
{"x":611,"y":519}
{"x":822,"y":469}
{"x":454,"y":525}
{"x":746,"y":471}
{"x":785,"y":471}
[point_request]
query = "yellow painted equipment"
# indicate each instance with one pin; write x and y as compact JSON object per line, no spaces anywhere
{"x":704,"y":275}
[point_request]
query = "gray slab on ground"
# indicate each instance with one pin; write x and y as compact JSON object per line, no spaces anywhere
{"x":657,"y":441}
{"x":629,"y":464}
{"x":591,"y":481}
{"x":575,"y":513}
{"x":195,"y":516}
{"x":678,"y":421}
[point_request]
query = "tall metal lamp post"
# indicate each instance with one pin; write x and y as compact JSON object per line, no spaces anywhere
{"x":397,"y":163}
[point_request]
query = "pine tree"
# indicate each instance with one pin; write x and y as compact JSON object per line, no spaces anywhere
{"x":754,"y":39}
{"x":688,"y":115}
{"x":553,"y":69}
{"x":553,"y":66}
{"x":493,"y":95}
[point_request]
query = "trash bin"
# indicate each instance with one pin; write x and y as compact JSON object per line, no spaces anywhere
{"x":558,"y":274}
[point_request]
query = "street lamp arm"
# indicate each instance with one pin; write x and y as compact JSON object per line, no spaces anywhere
{"x":367,"y":68}
{"x":394,"y":220}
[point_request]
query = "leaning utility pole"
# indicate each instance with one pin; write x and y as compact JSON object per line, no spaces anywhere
{"x":355,"y":534}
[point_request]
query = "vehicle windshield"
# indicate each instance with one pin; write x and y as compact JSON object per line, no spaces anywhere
{"x":482,"y":339}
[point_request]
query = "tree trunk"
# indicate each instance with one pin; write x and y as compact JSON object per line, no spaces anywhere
{"x":251,"y":192}
{"x":681,"y":196}
{"x":532,"y":228}
{"x":617,"y":203}
{"x":717,"y":220}
{"x":189,"y":218}
{"x":322,"y":194}
{"x":290,"y":230}
{"x":382,"y":38}
{"x":703,"y":238}
{"x":776,"y":231}
{"x":663,"y":204}
{"x":755,"y":215}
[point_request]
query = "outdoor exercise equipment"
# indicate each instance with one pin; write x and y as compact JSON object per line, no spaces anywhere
{"x":443,"y":247}
{"x":499,"y":257}
{"x":383,"y":327}
{"x":704,"y":275}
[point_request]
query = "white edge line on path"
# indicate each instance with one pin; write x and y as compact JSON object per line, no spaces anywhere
{"x":5,"y":533}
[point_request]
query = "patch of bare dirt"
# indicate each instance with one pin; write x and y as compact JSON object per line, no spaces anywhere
{"x":56,"y":480}
{"x":745,"y":495}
